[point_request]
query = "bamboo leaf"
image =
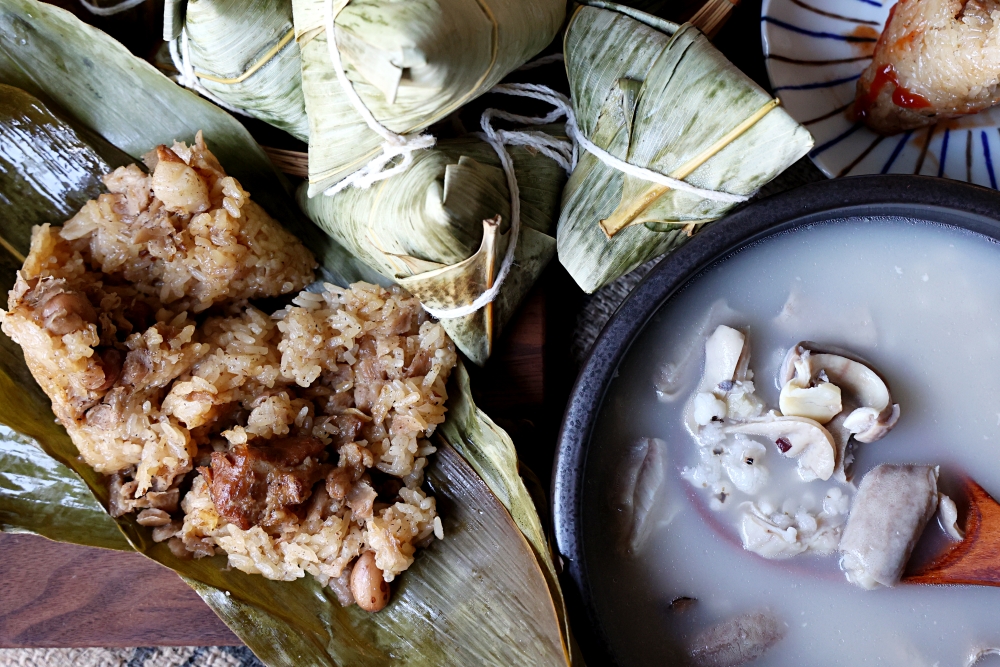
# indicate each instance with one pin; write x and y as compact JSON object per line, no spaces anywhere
{"x":690,"y":96}
{"x":244,"y":53}
{"x":412,"y":64}
{"x":40,"y":495}
{"x":423,"y":228}
{"x":490,"y":451}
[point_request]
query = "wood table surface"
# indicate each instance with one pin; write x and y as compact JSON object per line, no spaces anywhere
{"x":64,"y":595}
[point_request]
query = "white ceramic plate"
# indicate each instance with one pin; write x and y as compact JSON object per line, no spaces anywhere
{"x":815,"y":51}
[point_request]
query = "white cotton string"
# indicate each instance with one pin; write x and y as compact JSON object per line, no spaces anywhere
{"x":494,"y":140}
{"x":186,"y":76}
{"x":113,"y":9}
{"x":565,"y":108}
{"x":563,"y":152}
{"x":393,"y":146}
{"x":647,"y":174}
{"x":560,"y":151}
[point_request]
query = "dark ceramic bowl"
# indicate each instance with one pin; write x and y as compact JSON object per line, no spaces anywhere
{"x":917,"y":198}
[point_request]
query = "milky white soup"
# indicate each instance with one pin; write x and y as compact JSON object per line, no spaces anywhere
{"x":919,"y":301}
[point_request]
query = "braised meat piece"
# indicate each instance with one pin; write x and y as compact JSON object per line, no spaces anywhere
{"x":260,"y":484}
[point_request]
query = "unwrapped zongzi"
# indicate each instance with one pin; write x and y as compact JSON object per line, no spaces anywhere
{"x":285,"y":416}
{"x":425,"y":229}
{"x":660,"y":97}
{"x":412,"y":63}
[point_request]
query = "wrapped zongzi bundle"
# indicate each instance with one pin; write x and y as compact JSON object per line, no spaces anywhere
{"x":243,"y":52}
{"x":441,"y":230}
{"x":411,"y":63}
{"x":660,"y":101}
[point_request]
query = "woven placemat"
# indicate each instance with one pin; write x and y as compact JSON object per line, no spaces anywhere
{"x":185,"y":656}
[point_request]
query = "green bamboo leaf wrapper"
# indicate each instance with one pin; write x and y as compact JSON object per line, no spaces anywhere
{"x":490,"y":451}
{"x":412,"y":63}
{"x":478,"y":597}
{"x":657,"y":95}
{"x":40,"y":495}
{"x":32,"y":139}
{"x":424,"y":229}
{"x":247,"y":44}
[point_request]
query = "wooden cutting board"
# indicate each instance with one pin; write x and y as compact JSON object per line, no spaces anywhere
{"x":64,"y":595}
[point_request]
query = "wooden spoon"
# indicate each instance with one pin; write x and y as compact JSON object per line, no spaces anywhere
{"x":976,"y":559}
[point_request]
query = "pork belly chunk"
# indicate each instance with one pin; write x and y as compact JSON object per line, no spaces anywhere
{"x":893,"y":505}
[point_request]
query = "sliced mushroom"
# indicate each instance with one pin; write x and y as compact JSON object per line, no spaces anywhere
{"x":862,"y":387}
{"x":672,"y":381}
{"x":724,"y":350}
{"x":867,"y":412}
{"x":796,"y":437}
{"x":820,"y":402}
{"x":869,"y":424}
{"x":845,"y":443}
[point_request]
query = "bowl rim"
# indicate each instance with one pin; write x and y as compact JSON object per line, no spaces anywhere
{"x":920,"y":198}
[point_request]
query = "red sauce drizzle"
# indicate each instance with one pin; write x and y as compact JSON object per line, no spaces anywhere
{"x":909,"y":100}
{"x":901,"y":97}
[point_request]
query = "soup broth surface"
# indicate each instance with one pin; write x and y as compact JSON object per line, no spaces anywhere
{"x":919,"y":301}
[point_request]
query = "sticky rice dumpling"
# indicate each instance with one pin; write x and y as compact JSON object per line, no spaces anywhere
{"x":244,"y":53}
{"x":295,"y":442}
{"x":660,"y":97}
{"x":936,"y":59}
{"x":411,"y":63}
{"x":440,"y":229}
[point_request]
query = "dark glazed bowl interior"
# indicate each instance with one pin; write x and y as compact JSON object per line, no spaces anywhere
{"x":916,"y":198}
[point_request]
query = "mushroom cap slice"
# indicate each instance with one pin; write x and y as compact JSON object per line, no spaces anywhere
{"x":798,"y":437}
{"x":821,"y":402}
{"x":855,"y":378}
{"x":860,"y":384}
{"x":867,"y":425}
